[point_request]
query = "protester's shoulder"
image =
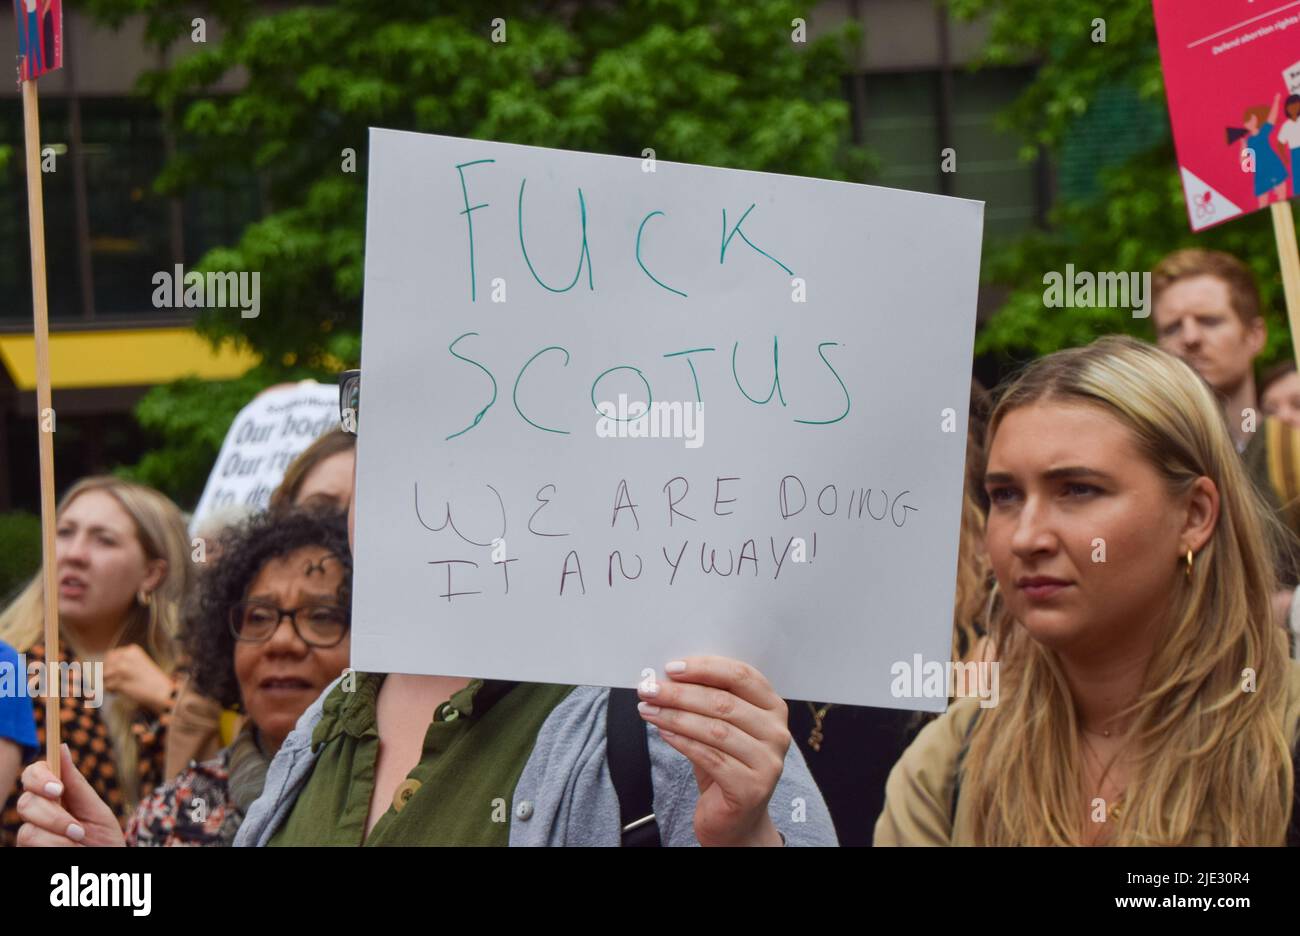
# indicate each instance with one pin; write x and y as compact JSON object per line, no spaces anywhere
{"x":199,"y":774}
{"x":33,"y":651}
{"x":316,"y":724}
{"x":17,"y":713}
{"x":572,"y":739}
{"x":918,"y":793}
{"x":1278,"y":436}
{"x":1270,"y":452}
{"x":184,"y":807}
{"x":1293,"y":681}
{"x":290,"y":768}
{"x":944,"y":736}
{"x":579,"y":712}
{"x":343,"y":691}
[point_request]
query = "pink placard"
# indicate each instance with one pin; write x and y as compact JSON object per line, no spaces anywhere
{"x":1232,"y":77}
{"x":40,"y":37}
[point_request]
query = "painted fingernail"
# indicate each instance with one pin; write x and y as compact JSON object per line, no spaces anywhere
{"x":676,"y":666}
{"x":54,"y":788}
{"x":645,"y":708}
{"x":76,"y":832}
{"x":666,"y":733}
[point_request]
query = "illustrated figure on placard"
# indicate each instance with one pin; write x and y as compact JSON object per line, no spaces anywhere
{"x":49,"y":59}
{"x":20,"y":20}
{"x":1270,"y":173}
{"x":1289,"y":135}
{"x":37,"y":23}
{"x":1204,"y":205}
{"x":29,"y":37}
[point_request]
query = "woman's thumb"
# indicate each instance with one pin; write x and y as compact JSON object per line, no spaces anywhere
{"x":79,"y":797}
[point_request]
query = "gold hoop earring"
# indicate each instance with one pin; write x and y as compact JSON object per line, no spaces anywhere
{"x":144,"y":598}
{"x":1189,"y":562}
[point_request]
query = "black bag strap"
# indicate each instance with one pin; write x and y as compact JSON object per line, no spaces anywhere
{"x":627,"y":750}
{"x":961,"y":760}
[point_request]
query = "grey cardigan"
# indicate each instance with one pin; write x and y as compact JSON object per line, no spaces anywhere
{"x":565,"y":795}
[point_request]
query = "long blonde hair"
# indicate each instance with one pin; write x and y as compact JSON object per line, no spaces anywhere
{"x":160,"y":529}
{"x":973,"y":573}
{"x":972,"y":592}
{"x":1206,"y":756}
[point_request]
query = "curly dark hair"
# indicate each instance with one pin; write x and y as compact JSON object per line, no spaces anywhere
{"x":244,"y":549}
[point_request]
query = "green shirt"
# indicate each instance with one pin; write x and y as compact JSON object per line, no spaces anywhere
{"x":458,"y":794}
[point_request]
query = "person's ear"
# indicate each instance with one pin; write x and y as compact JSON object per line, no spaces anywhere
{"x":155,"y":572}
{"x":1202,"y":515}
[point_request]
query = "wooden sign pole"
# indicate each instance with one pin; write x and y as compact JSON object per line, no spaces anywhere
{"x":1288,"y":256}
{"x":44,"y":417}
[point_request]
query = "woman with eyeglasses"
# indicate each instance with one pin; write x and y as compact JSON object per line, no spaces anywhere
{"x":270,"y":630}
{"x":320,"y":477}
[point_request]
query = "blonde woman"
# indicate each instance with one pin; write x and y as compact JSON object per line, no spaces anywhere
{"x":1146,"y":695}
{"x":122,"y":565}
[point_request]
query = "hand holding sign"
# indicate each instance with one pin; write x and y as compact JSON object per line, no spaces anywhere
{"x":62,"y":814}
{"x":727,"y":720}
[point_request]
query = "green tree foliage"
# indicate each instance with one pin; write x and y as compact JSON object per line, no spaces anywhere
{"x":1136,"y":214}
{"x":191,"y":416}
{"x":715,"y":83}
{"x":20,"y":551}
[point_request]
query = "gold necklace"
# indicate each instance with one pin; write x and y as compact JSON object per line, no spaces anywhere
{"x":819,"y":715}
{"x":1113,"y":810}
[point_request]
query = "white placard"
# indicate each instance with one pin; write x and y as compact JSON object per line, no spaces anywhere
{"x":491,"y":333}
{"x":262,"y":441}
{"x":1291,"y":78}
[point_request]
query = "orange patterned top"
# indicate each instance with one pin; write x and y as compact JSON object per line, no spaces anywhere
{"x":85,"y":731}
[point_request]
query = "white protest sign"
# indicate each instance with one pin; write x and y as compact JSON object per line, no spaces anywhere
{"x":1291,"y":78}
{"x":266,"y":436}
{"x":808,"y":526}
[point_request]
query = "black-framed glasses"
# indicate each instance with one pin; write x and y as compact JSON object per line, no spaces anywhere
{"x":317,"y":624}
{"x":350,"y":400}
